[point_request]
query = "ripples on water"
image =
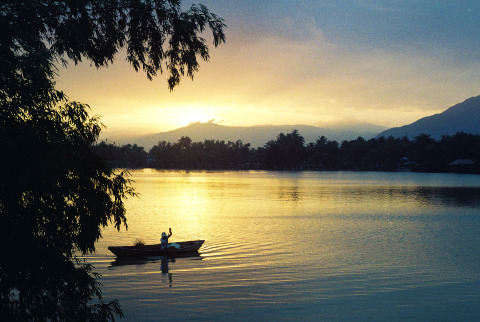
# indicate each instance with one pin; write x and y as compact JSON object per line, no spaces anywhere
{"x":311,"y":245}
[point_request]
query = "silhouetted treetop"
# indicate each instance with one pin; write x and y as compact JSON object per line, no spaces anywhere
{"x":289,"y":152}
{"x":154,"y":32}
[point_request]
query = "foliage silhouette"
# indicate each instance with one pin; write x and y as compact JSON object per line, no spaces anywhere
{"x":200,"y":155}
{"x":288,"y":152}
{"x":126,"y":156}
{"x":56,"y":193}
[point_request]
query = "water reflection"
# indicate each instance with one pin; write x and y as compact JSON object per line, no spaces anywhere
{"x":456,"y":197}
{"x":445,"y":196}
{"x":326,"y":246}
{"x":146,"y":260}
{"x":164,"y":268}
{"x":131,"y":261}
{"x":290,"y":193}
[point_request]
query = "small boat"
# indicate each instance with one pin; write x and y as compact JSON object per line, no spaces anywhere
{"x":173,"y":249}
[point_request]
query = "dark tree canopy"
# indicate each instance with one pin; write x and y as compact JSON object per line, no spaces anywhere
{"x":154,"y":32}
{"x":56,"y":193}
{"x":289,"y":152}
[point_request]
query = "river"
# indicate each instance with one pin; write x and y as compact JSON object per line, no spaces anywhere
{"x":300,"y":245}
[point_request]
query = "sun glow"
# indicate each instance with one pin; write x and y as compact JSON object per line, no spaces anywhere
{"x":192,"y":114}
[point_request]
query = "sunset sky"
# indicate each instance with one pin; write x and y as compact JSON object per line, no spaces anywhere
{"x":302,"y":62}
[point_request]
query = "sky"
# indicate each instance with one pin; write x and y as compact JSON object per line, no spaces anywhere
{"x":383,"y":62}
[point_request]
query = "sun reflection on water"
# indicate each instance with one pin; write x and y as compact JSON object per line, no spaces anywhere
{"x":271,"y":237}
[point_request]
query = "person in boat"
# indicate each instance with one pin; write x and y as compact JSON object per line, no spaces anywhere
{"x":164,"y":239}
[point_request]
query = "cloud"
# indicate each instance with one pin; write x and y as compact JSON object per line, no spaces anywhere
{"x":386,"y":62}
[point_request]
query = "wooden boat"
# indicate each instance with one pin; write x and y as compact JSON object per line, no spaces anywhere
{"x":156,"y":250}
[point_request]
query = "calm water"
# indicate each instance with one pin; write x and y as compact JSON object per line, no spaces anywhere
{"x":301,"y":245}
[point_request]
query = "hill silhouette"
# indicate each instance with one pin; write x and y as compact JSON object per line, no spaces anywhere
{"x":351,"y":125}
{"x":462,"y":117}
{"x":255,"y":135}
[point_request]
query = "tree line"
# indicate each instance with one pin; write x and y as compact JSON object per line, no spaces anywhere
{"x":290,"y":152}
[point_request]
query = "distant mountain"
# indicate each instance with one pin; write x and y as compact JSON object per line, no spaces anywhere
{"x":463,"y":117}
{"x":351,"y":125}
{"x":255,"y":135}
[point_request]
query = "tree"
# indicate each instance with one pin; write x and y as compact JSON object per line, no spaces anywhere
{"x":323,"y":154}
{"x":286,"y":152}
{"x":56,"y":194}
{"x":126,"y":156}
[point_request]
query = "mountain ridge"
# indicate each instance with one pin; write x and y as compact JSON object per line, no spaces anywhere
{"x":257,"y":135}
{"x":461,"y":117}
{"x":351,"y":125}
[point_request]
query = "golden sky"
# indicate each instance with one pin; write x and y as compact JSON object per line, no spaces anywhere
{"x":302,"y":62}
